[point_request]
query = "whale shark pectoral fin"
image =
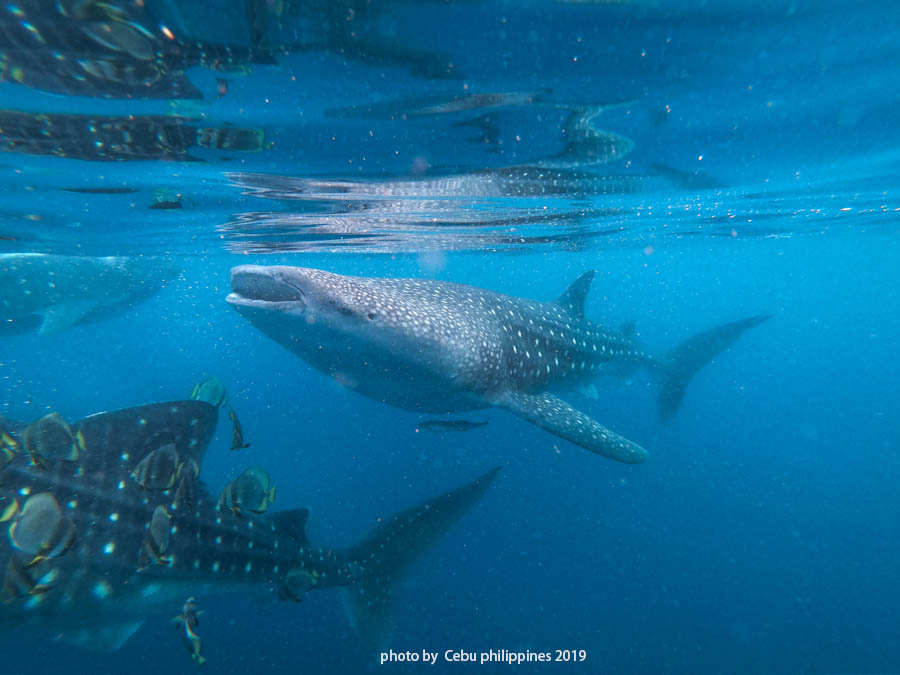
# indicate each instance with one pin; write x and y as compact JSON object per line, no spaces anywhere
{"x":556,"y":416}
{"x":59,"y":317}
{"x":105,"y":637}
{"x":574,"y":296}
{"x":589,"y":391}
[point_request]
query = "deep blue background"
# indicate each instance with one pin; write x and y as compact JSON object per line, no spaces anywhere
{"x":762,"y":534}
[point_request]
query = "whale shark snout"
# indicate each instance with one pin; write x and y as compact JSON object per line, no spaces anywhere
{"x":257,"y":286}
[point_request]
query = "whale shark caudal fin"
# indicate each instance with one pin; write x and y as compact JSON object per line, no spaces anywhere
{"x":574,"y":296}
{"x":680,"y":364}
{"x":389,"y":551}
{"x":556,"y":416}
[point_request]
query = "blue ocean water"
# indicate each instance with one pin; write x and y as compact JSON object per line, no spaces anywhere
{"x":710,"y":160}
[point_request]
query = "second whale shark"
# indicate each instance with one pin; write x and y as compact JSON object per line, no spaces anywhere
{"x":48,"y":293}
{"x":435,"y":346}
{"x":96,"y":536}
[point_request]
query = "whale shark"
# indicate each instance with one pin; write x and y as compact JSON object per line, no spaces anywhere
{"x":90,"y":548}
{"x":435,"y":346}
{"x":48,"y":293}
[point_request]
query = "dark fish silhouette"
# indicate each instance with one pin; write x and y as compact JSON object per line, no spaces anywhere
{"x":438,"y":426}
{"x":237,"y":432}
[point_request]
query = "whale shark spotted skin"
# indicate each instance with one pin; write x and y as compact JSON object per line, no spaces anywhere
{"x":434,"y":346}
{"x":48,"y":293}
{"x":97,"y":589}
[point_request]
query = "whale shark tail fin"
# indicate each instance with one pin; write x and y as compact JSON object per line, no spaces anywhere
{"x":679,"y":365}
{"x":385,"y":555}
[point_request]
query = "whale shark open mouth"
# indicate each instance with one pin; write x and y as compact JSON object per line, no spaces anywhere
{"x":256,"y":286}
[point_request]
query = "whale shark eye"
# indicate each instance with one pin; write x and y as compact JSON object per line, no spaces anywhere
{"x":372,"y":316}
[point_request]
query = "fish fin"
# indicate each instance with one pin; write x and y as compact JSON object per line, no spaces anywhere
{"x":574,"y":296}
{"x":184,"y":493}
{"x":681,"y":363}
{"x":556,"y":416}
{"x":295,"y":584}
{"x":107,"y":637}
{"x":389,"y":551}
{"x":17,"y":582}
{"x":271,"y":495}
{"x":589,"y":391}
{"x":59,"y":317}
{"x":11,"y":510}
{"x":629,"y":329}
{"x":292,"y":523}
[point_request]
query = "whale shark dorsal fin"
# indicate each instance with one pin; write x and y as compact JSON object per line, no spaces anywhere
{"x":574,"y":296}
{"x":551,"y":413}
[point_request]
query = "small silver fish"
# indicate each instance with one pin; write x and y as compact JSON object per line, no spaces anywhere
{"x":251,"y":491}
{"x":159,"y":470}
{"x":156,"y":541}
{"x":212,"y":391}
{"x":51,"y":438}
{"x":41,"y":531}
{"x":188,"y":620}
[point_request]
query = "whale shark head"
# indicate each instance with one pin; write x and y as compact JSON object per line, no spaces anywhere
{"x":316,"y":299}
{"x":313,"y":311}
{"x":374,"y":335}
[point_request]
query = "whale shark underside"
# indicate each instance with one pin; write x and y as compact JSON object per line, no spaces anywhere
{"x":434,"y":346}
